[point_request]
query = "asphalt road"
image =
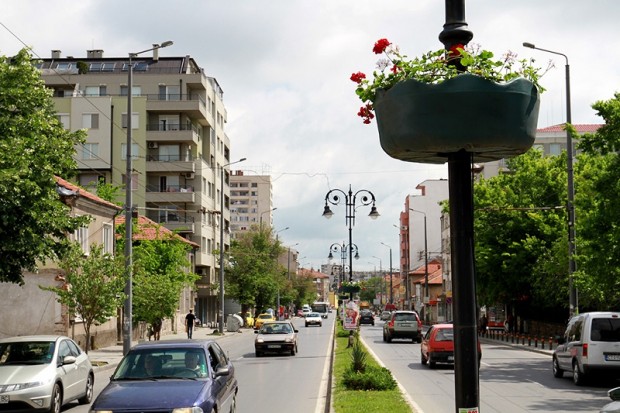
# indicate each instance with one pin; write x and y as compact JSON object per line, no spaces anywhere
{"x":512,"y":380}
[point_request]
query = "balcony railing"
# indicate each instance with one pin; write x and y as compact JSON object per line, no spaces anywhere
{"x":170,"y":158}
{"x":170,"y":188}
{"x":176,"y":97}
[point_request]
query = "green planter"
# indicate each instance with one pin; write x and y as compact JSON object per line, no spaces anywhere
{"x":420,"y":122}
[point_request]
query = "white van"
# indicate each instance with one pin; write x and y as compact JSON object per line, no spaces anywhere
{"x":590,"y":345}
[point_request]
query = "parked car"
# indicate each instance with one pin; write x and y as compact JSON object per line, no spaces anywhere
{"x":438,"y":345}
{"x":590,"y":346}
{"x":614,"y":406}
{"x":263,"y":318}
{"x":313,"y":319}
{"x":43,"y":372}
{"x":276,"y":337}
{"x":385,"y":315}
{"x":366,"y":317}
{"x":403,"y":324}
{"x":169,"y":375}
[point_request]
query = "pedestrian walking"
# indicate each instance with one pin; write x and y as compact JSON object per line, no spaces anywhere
{"x":190,"y":318}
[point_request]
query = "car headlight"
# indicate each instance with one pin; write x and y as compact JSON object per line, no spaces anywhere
{"x":187,"y":410}
{"x":288,"y":340}
{"x":260,"y":340}
{"x":20,"y":386}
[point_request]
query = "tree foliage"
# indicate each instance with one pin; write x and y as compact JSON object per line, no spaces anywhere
{"x":93,"y":287}
{"x":253,"y":275}
{"x":520,"y":227}
{"x":33,"y":148}
{"x":160,"y":272}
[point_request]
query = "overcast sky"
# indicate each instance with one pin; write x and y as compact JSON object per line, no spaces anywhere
{"x":284,"y":66}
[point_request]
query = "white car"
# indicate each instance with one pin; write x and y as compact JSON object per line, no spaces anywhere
{"x":43,"y":373}
{"x":314,"y":319}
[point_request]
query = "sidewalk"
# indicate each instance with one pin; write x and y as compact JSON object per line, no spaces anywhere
{"x":106,"y":358}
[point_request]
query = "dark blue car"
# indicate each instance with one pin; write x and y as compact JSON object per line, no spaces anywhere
{"x":171,"y":374}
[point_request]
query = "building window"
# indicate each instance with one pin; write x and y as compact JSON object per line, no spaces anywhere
{"x":169,"y":92}
{"x":134,"y":181}
{"x":135,"y":120}
{"x":65,"y":120}
{"x":136,"y":90}
{"x":81,"y":237}
{"x":108,"y":239}
{"x":134,"y":151}
{"x":90,"y":120}
{"x":555,"y":149}
{"x":100,"y":90}
{"x":90,"y":151}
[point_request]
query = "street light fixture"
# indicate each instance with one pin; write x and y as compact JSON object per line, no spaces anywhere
{"x":277,"y":232}
{"x":265,"y":212}
{"x":221,"y":279}
{"x":573,"y":305}
{"x":426,"y":294}
{"x":333,"y":197}
{"x":342,"y":248}
{"x":391,"y":286}
{"x":128,"y":306}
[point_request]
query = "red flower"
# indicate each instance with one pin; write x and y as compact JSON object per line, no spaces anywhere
{"x":454,"y":50}
{"x":381,"y":45}
{"x":366,"y":113}
{"x":357,"y":77}
{"x":394,"y":69}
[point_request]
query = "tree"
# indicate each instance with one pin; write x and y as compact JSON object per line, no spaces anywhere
{"x":34,"y":147}
{"x":253,"y":275}
{"x":598,"y":217}
{"x":93,"y":285}
{"x":159,"y":274}
{"x":370,"y":288}
{"x":520,"y":226}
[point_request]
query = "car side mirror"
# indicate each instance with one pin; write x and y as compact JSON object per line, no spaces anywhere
{"x":222,"y":371}
{"x":614,"y":394}
{"x":255,"y":331}
{"x":69,"y":360}
{"x":297,"y":331}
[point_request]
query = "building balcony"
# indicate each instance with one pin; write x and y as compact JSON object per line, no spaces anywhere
{"x":171,"y":194}
{"x":193,"y":104}
{"x":169,"y":163}
{"x":175,"y":133}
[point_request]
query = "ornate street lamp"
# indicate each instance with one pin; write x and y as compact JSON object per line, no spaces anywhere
{"x":335,"y":196}
{"x":342,"y":248}
{"x":128,"y":310}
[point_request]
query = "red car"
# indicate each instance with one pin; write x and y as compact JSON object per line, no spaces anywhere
{"x":438,"y":345}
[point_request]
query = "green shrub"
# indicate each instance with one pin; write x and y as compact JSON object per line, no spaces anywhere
{"x":358,"y":357}
{"x":373,"y":378}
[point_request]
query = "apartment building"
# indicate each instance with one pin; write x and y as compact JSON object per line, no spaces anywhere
{"x":178,"y":147}
{"x":251,"y":200}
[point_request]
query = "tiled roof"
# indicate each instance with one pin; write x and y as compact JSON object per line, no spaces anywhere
{"x":583,"y":128}
{"x":84,"y":193}
{"x":149,"y":230}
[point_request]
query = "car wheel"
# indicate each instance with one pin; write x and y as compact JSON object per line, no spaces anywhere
{"x":88,"y":394}
{"x":306,"y":324}
{"x":578,"y":377}
{"x":557,"y":371}
{"x":384,"y":337}
{"x":432,"y":364}
{"x":258,"y":354}
{"x":320,"y":324}
{"x":389,"y":338}
{"x":56,"y":400}
{"x":233,"y":405}
{"x":293,"y":351}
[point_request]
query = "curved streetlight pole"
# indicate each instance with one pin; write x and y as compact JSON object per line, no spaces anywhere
{"x":335,"y":196}
{"x":572,"y":298}
{"x":261,"y":216}
{"x":221,"y":279}
{"x":128,"y":306}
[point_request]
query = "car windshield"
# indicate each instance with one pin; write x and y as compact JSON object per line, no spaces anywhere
{"x":37,"y":352}
{"x":276,"y":329}
{"x":444,"y":334}
{"x":313,"y":315}
{"x":159,"y":363}
{"x":404,"y":317}
{"x":605,"y":329}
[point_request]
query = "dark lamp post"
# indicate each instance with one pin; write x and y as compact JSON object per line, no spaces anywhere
{"x":570,"y":206}
{"x":128,"y":305}
{"x":221,"y":279}
{"x":335,"y":196}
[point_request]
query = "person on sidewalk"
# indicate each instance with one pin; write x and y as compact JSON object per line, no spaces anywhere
{"x":190,"y":318}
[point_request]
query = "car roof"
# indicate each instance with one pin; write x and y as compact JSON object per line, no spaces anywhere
{"x":443,"y":325}
{"x":25,"y":339}
{"x":168,"y":344}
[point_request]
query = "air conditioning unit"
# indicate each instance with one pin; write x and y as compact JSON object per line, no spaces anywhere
{"x":189,"y":175}
{"x":153,"y":145}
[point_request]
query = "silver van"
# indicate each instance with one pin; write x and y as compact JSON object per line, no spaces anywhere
{"x":590,"y":345}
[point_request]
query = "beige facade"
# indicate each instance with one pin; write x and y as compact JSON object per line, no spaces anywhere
{"x":179,"y":144}
{"x":251,"y":198}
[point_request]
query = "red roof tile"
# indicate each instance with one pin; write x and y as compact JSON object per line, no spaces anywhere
{"x":150,"y":230}
{"x":84,"y":193}
{"x":583,"y":128}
